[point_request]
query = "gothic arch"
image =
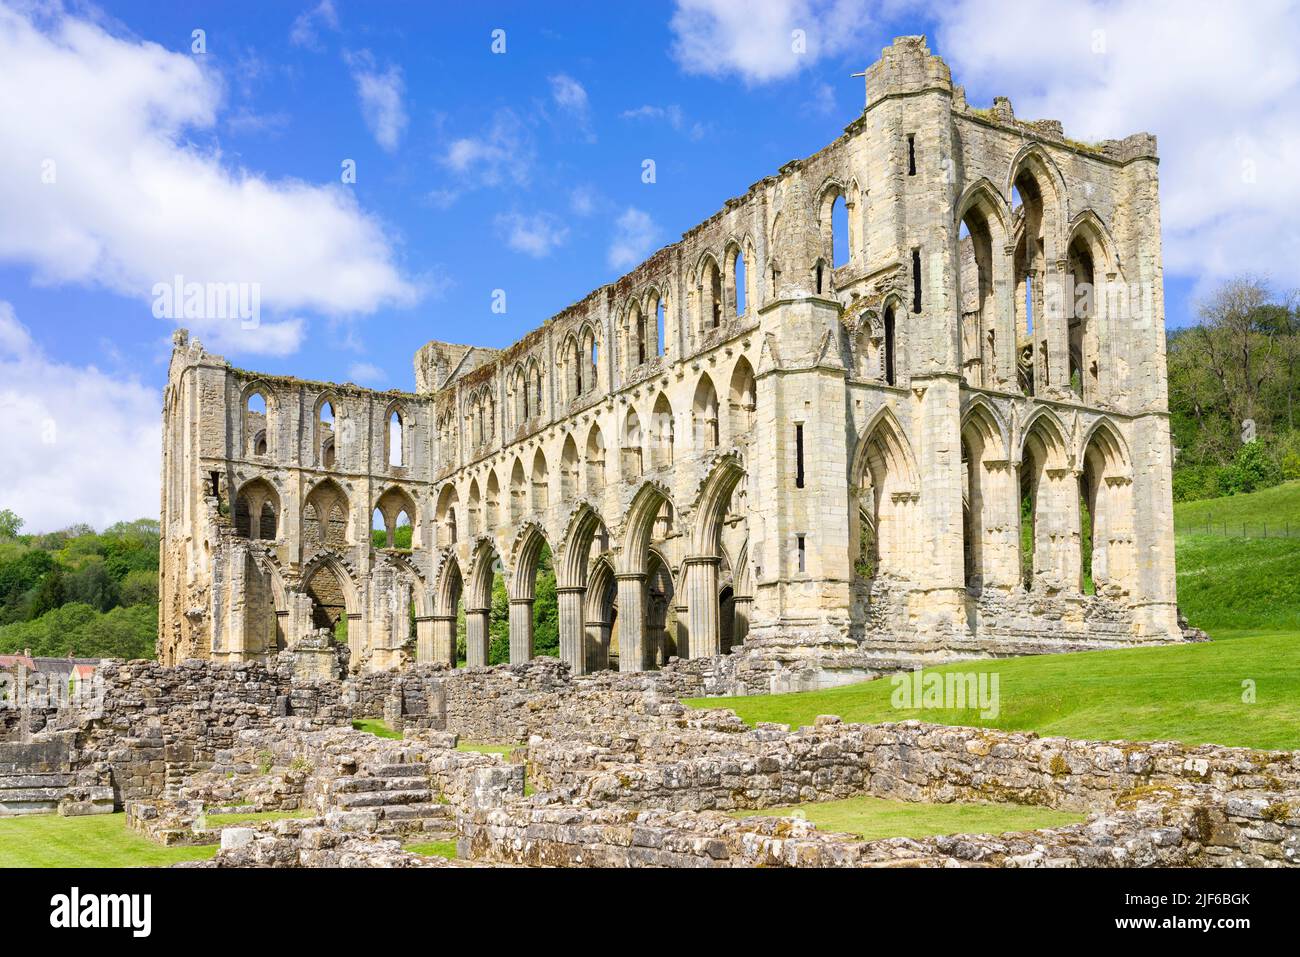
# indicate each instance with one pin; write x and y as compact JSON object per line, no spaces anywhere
{"x":326,"y":516}
{"x":711,"y":505}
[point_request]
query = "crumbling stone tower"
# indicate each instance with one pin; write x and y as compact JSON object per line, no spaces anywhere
{"x":903,"y":400}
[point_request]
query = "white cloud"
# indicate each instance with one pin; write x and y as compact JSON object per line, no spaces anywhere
{"x":367,"y":373}
{"x":304,"y":32}
{"x":535,"y":235}
{"x":134,"y":201}
{"x":1218,"y":85}
{"x":503,"y":153}
{"x":381,"y":98}
{"x":571,"y":97}
{"x":80,"y":445}
{"x":765,"y":40}
{"x":583,"y":199}
{"x":635,"y":235}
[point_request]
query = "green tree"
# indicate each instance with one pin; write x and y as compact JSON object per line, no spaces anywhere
{"x":10,"y":524}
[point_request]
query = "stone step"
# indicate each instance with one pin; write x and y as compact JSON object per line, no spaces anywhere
{"x":52,"y":779}
{"x":401,"y":770}
{"x":32,"y":794}
{"x":366,"y":784}
{"x":13,"y":808}
{"x":377,"y":799}
{"x":417,"y":812}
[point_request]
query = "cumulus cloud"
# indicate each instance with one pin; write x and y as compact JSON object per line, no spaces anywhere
{"x":535,"y":235}
{"x":635,"y":235}
{"x":1218,"y":85}
{"x":380,"y":92}
{"x":59,"y":425}
{"x":764,"y":40}
{"x":571,"y":97}
{"x":102,"y":185}
{"x":305,"y":31}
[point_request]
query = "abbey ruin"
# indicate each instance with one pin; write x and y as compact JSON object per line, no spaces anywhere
{"x":871,"y":413}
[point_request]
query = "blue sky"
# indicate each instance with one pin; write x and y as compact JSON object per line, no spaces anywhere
{"x":520,"y":171}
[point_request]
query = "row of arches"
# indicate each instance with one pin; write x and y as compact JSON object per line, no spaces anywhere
{"x":257,"y":431}
{"x":1039,"y":516}
{"x":631,"y":613}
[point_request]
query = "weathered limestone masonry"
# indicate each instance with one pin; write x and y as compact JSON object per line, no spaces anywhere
{"x":802,"y":434}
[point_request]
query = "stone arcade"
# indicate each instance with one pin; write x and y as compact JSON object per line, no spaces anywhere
{"x":812,"y":433}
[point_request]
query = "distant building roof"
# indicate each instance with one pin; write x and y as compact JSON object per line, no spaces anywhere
{"x":61,"y":666}
{"x":12,"y":661}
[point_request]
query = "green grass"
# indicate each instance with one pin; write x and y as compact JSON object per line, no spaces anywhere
{"x":257,"y":817}
{"x":376,"y":727}
{"x":1188,"y":693}
{"x":434,"y":849}
{"x":1239,"y":584}
{"x":100,"y":840}
{"x":1275,"y":506}
{"x":873,"y":818}
{"x":479,"y":748}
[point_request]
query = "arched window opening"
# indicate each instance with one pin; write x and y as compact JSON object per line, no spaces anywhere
{"x":840,"y":250}
{"x":569,"y":469}
{"x":326,"y":435}
{"x":738,"y":282}
{"x":659,"y":325}
{"x":978,"y":318}
{"x":518,"y":493}
{"x":396,"y":457}
{"x":255,"y":424}
{"x":889,"y":345}
{"x":637,"y":322}
{"x":492,"y":503}
{"x":1084,"y":345}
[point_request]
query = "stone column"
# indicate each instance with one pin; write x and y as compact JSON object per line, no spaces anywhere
{"x":476,"y":636}
{"x":573,"y":650}
{"x":521,"y":630}
{"x":424,"y":639}
{"x":740,"y":629}
{"x":702,"y":598}
{"x":631,"y":622}
{"x":597,"y":651}
{"x":444,"y":639}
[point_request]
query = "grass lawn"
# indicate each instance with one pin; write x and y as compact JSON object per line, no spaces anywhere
{"x":1189,"y":693}
{"x":504,"y":749}
{"x":1239,"y":583}
{"x":376,"y":727}
{"x":873,"y":817}
{"x":1275,"y":506}
{"x":434,"y":849}
{"x":256,"y":817}
{"x":100,"y":840}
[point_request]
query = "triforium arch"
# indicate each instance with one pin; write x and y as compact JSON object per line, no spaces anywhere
{"x":257,"y":510}
{"x":1049,"y":493}
{"x":1094,"y":271}
{"x":885,"y":490}
{"x":326,"y":517}
{"x":446,"y":515}
{"x":257,"y":428}
{"x":391,"y":505}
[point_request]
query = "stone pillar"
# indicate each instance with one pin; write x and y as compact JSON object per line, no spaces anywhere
{"x":631,"y":622}
{"x":521,"y":630}
{"x":702,"y":599}
{"x":573,"y":650}
{"x":476,"y":636}
{"x":740,"y":629}
{"x":444,"y":639}
{"x":597,"y":650}
{"x":424,"y":639}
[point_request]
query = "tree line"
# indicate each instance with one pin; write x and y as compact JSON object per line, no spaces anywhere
{"x":1234,"y":391}
{"x":79,"y":592}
